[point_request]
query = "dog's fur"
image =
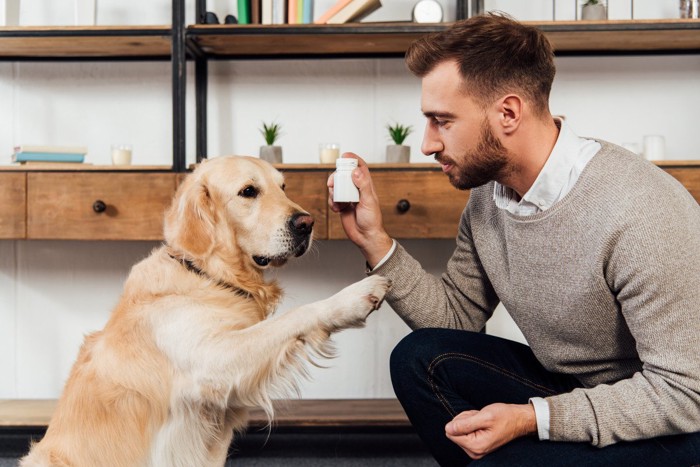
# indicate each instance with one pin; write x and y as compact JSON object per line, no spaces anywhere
{"x":191,"y":346}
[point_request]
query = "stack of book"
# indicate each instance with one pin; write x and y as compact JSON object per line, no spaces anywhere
{"x":302,"y":11}
{"x":49,"y":154}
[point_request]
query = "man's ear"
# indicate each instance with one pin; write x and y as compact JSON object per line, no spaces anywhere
{"x":510,"y":111}
{"x":189,"y":223}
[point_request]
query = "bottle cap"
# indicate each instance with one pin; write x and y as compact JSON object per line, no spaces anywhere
{"x":345,"y":163}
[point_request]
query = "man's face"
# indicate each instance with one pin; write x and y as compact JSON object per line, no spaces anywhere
{"x":458,"y":132}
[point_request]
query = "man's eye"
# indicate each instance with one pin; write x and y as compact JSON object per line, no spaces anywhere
{"x":248,"y":192}
{"x":440,"y":122}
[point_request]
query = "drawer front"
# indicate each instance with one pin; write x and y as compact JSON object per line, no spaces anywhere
{"x":13,"y":205}
{"x":309,"y":190}
{"x":67,"y":205}
{"x":415,"y":204}
{"x":689,"y":177}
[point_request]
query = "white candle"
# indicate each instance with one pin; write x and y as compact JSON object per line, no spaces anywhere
{"x":328,"y":153}
{"x":121,"y":154}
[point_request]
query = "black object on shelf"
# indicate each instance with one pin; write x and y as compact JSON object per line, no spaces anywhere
{"x":230,"y":19}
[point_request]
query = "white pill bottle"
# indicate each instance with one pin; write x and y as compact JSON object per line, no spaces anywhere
{"x":344,"y":190}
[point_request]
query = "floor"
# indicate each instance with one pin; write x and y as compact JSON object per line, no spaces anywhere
{"x":319,"y":449}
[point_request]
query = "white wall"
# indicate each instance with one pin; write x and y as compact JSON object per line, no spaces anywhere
{"x":53,"y":292}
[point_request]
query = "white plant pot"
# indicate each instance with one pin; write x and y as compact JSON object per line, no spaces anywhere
{"x":398,"y":154}
{"x":85,"y":12}
{"x":9,"y":12}
{"x":271,"y":154}
{"x":594,"y":12}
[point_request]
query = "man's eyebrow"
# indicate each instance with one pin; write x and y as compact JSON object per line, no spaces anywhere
{"x":438,"y":114}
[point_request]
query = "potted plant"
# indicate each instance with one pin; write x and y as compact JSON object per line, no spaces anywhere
{"x":398,"y":152}
{"x":270,"y":152}
{"x":594,"y":10}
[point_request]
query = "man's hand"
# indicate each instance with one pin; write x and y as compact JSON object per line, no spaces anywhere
{"x":362,"y":221}
{"x":480,"y":432}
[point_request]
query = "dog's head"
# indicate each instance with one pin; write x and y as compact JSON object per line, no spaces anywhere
{"x":234,"y":209}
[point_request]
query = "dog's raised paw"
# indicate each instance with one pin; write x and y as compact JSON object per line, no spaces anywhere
{"x":351,"y":306}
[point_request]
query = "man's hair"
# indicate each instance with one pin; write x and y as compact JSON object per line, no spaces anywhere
{"x":495,"y":54}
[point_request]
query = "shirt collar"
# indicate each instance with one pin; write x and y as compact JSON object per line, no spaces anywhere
{"x":548,"y":185}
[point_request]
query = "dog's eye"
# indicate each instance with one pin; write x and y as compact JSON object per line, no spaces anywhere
{"x":248,"y":192}
{"x":283,"y":186}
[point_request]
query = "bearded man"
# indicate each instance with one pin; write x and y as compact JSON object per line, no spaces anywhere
{"x":593,"y":251}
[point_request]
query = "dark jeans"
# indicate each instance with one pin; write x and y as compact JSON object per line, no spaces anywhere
{"x":438,"y":373}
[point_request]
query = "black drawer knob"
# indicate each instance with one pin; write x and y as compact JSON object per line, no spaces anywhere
{"x":99,"y":206}
{"x":403,"y":206}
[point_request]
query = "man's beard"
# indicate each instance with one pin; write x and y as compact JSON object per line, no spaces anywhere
{"x":485,"y":163}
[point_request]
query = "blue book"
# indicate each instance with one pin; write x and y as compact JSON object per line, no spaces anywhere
{"x":47,"y":157}
{"x":308,"y":12}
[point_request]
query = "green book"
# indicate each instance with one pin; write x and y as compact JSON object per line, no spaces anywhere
{"x":243,"y":11}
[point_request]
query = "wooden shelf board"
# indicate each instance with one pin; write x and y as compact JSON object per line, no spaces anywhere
{"x":36,"y":42}
{"x":84,"y":168}
{"x":24,"y":413}
{"x":377,"y":39}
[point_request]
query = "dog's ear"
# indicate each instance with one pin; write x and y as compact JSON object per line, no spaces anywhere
{"x":189,"y":223}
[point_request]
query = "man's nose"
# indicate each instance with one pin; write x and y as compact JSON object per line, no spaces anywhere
{"x":431,"y":143}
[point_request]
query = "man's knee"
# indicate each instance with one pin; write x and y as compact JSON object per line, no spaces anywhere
{"x":407,"y":359}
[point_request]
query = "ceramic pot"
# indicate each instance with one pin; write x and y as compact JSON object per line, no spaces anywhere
{"x":594,"y":12}
{"x":398,"y":153}
{"x":271,"y":154}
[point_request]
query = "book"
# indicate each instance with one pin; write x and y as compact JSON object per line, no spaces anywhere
{"x":308,"y":14}
{"x":255,"y":11}
{"x":38,"y":165}
{"x":300,"y":11}
{"x":339,"y":5}
{"x":355,"y":11}
{"x":266,"y":12}
{"x":26,"y":156}
{"x":243,"y":11}
{"x":279,"y":11}
{"x":292,"y":11}
{"x":52,"y":149}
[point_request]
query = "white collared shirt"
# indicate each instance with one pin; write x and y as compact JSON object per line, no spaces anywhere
{"x":559,"y":174}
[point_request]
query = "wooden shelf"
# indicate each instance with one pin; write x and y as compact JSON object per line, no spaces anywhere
{"x":310,"y":40}
{"x":307,"y":413}
{"x":89,"y":42}
{"x":392,"y":39}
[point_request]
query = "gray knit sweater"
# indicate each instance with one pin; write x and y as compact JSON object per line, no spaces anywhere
{"x":605,"y":285}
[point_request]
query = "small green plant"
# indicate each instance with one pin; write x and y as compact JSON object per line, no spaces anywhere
{"x":398,"y":133}
{"x":593,"y":2}
{"x":271,"y":132}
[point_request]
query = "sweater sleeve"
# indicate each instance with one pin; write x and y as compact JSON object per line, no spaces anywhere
{"x":462,"y":298}
{"x":653,"y":268}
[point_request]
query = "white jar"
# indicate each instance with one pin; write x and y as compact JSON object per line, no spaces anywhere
{"x":344,"y":190}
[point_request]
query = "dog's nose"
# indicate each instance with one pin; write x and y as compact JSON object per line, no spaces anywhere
{"x":301,"y":223}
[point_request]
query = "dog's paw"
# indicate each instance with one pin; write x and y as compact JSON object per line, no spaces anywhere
{"x":351,"y":306}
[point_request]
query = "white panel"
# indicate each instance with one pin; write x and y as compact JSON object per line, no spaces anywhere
{"x":8,"y":319}
{"x":623,"y":99}
{"x":65,"y":290}
{"x":83,"y":104}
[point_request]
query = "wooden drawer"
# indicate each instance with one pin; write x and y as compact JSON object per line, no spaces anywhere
{"x":433,"y":210}
{"x":308,"y":189}
{"x":689,"y":177}
{"x":13,"y":205}
{"x":61,"y":205}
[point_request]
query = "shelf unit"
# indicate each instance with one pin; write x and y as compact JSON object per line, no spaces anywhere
{"x":201,"y":43}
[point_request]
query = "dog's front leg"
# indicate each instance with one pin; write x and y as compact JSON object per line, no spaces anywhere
{"x":269,"y":355}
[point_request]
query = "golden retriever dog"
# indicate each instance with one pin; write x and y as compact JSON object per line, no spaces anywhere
{"x":191,"y":344}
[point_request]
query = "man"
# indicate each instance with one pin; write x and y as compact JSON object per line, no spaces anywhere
{"x":593,"y":251}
